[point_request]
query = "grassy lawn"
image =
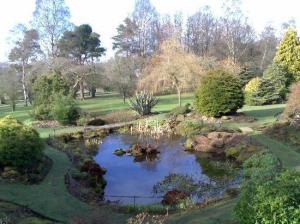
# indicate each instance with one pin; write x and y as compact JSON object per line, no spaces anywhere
{"x":102,"y":104}
{"x":51,"y":198}
{"x":216,"y":214}
{"x":264,"y":115}
{"x":288,"y":155}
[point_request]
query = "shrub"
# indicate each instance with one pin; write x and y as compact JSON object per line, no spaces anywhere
{"x":280,"y":77}
{"x":120,"y":116}
{"x":265,"y":93}
{"x":180,"y":110}
{"x":143,"y":102}
{"x":288,"y":53}
{"x":273,"y":201}
{"x":20,"y":145}
{"x":253,"y":85}
{"x":64,"y":109}
{"x":249,"y":72}
{"x":251,"y":88}
{"x":146,"y":218}
{"x":241,"y":152}
{"x":219,"y":93}
{"x":189,"y":128}
{"x":292,"y":110}
{"x":45,"y":90}
{"x":262,"y":166}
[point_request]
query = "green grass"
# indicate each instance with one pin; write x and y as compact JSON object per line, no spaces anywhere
{"x":102,"y":104}
{"x":51,"y":197}
{"x":265,"y":115}
{"x":216,"y":214}
{"x":288,"y":155}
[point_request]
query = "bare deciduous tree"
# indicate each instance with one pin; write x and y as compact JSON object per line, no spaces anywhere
{"x":237,"y":34}
{"x":10,"y":85}
{"x":267,"y":44}
{"x":26,"y":50}
{"x":172,"y":67}
{"x":51,"y":18}
{"x":122,"y":73}
{"x":201,"y":32}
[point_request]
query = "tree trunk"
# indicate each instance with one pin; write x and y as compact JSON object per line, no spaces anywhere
{"x":13,"y":106}
{"x":2,"y":100}
{"x":93,"y":92}
{"x":24,"y":85}
{"x":81,"y":90}
{"x":263,"y":59}
{"x":124,"y":97}
{"x":179,"y":96}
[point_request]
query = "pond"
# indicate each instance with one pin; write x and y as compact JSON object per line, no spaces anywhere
{"x":149,"y":179}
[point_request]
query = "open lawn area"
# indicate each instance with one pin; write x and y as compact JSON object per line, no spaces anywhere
{"x":102,"y":104}
{"x":49,"y":197}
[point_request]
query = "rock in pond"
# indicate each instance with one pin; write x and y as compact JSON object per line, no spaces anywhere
{"x":139,"y":150}
{"x":174,"y":197}
{"x":92,"y":168}
{"x":214,"y":142}
{"x":188,"y":144}
{"x":119,"y":152}
{"x":146,"y":149}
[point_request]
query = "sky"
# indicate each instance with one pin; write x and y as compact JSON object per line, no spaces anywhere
{"x":105,"y":15}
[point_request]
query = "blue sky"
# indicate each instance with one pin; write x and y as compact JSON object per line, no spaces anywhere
{"x":105,"y":15}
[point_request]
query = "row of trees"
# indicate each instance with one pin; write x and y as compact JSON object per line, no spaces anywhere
{"x":153,"y":52}
{"x":204,"y":34}
{"x":272,"y":86}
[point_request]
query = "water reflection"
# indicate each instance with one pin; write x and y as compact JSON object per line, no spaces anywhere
{"x":127,"y":176}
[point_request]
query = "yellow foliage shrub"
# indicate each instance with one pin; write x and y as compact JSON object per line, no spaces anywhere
{"x":252,"y":85}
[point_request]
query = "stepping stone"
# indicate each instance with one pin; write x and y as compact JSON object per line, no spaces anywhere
{"x":246,"y":130}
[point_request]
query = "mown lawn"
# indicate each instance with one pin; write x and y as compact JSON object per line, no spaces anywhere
{"x":102,"y":104}
{"x":51,"y":198}
{"x":265,"y":115}
{"x":288,"y":154}
{"x":216,"y":214}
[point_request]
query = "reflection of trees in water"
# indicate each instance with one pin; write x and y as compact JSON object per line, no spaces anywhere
{"x":195,"y":188}
{"x":180,"y":182}
{"x":217,"y":168}
{"x":149,"y":165}
{"x":137,"y":139}
{"x":162,"y":142}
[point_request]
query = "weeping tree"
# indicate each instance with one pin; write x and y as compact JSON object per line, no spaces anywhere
{"x":171,"y":67}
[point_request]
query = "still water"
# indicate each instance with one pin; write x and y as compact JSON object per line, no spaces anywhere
{"x":128,"y":177}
